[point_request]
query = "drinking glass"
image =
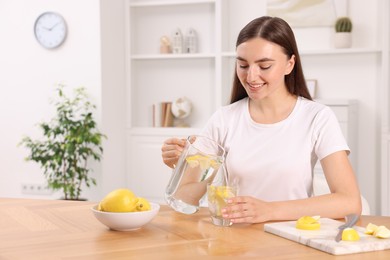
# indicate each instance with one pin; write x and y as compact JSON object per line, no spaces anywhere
{"x":197,"y":166}
{"x":217,"y":196}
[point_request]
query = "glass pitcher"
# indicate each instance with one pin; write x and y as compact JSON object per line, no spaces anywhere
{"x":197,"y":166}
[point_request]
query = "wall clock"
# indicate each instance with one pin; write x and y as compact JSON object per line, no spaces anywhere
{"x":50,"y":30}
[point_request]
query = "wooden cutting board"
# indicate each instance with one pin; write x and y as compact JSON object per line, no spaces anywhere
{"x":323,"y":239}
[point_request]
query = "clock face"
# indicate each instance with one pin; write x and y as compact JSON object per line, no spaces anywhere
{"x":50,"y":30}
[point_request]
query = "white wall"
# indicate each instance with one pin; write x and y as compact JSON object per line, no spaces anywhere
{"x":93,"y":56}
{"x":113,"y":95}
{"x":29,"y":74}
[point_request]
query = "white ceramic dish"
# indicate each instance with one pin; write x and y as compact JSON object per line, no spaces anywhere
{"x":126,"y":221}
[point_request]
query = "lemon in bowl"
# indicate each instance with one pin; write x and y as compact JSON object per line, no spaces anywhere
{"x":121,"y":210}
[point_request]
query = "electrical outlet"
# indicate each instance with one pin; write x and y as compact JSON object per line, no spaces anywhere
{"x":36,"y":189}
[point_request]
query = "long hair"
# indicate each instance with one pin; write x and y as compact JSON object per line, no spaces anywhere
{"x":276,"y":30}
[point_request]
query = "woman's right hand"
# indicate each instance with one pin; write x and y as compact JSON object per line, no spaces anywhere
{"x":171,"y":151}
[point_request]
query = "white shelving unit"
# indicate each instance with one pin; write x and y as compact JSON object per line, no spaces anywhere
{"x":155,"y":77}
{"x":152,"y":77}
{"x":204,"y":77}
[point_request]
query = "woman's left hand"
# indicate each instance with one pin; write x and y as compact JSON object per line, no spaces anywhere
{"x":245,"y":209}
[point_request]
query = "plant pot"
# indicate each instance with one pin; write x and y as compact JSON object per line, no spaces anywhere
{"x":343,"y":40}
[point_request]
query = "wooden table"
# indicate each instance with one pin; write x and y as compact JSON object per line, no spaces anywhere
{"x":55,"y":229}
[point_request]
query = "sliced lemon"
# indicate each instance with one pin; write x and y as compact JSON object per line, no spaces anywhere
{"x":193,"y":157}
{"x":204,"y":162}
{"x":382,"y":232}
{"x":225,"y":192}
{"x":215,"y":164}
{"x":217,"y":196}
{"x":370,"y":229}
{"x":308,"y":223}
{"x":193,"y":161}
{"x":316,"y":217}
{"x":350,"y":234}
{"x":220,"y":192}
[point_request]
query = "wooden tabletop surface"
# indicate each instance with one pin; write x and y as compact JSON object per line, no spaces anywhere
{"x":56,"y":229}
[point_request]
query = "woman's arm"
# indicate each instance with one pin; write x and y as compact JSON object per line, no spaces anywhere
{"x":343,"y":199}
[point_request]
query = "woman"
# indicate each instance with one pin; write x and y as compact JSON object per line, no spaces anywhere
{"x":274,"y":134}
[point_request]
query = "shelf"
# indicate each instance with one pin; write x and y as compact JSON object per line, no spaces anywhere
{"x":169,"y":3}
{"x":145,"y":37}
{"x":323,"y":52}
{"x":173,"y":56}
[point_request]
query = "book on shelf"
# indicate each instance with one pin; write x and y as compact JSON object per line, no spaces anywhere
{"x":162,"y":115}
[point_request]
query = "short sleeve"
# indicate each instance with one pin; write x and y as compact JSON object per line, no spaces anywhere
{"x":214,"y":127}
{"x":328,"y":135}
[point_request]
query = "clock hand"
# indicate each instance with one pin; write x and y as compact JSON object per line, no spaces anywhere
{"x":51,"y":28}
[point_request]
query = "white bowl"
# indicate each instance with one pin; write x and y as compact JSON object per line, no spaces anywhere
{"x":125,"y":221}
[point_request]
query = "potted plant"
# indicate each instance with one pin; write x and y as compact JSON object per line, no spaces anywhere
{"x":70,"y":140}
{"x":343,"y":36}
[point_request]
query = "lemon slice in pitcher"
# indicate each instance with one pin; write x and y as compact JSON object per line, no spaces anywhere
{"x":193,"y":161}
{"x":205,"y":162}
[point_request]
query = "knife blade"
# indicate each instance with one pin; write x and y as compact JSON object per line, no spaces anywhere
{"x":350,"y":221}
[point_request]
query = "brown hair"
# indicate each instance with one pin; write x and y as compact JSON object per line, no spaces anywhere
{"x":278,"y":31}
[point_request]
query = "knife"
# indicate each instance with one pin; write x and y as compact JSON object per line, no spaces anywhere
{"x":350,"y":221}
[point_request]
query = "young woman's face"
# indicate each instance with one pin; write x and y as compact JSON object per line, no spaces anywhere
{"x":261,"y":68}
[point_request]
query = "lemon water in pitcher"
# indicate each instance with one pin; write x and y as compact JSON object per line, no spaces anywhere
{"x":197,"y":166}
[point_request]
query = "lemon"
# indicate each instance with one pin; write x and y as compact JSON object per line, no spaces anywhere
{"x":377,"y":231}
{"x":308,"y":223}
{"x":193,"y":164}
{"x":350,"y":234}
{"x":120,"y":200}
{"x":224,"y":192}
{"x":370,"y":229}
{"x":220,"y":192}
{"x":193,"y":157}
{"x":205,"y":162}
{"x":192,"y":161}
{"x":198,"y":160}
{"x":316,"y":217}
{"x":143,"y":205}
{"x":382,"y":232}
{"x":217,"y":196}
{"x":215,"y":164}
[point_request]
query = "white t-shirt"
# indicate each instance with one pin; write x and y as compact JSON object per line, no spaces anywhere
{"x":275,"y":162}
